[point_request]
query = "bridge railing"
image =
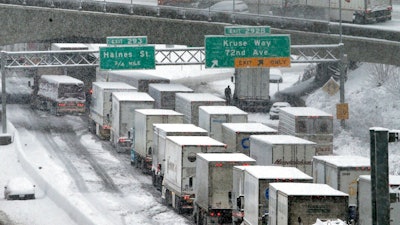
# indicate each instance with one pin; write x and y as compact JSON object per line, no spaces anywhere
{"x":167,"y":56}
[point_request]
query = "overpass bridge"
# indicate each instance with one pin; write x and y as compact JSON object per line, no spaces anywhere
{"x":77,"y":22}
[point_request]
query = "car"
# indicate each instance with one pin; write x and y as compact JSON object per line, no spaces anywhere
{"x":275,"y":76}
{"x":227,"y":6}
{"x":19,"y":188}
{"x":275,"y":108}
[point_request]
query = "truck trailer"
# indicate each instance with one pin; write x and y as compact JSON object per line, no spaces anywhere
{"x":283,"y":150}
{"x":178,"y":187}
{"x":364,"y":200}
{"x":161,"y":131}
{"x":256,"y":189}
{"x":164,"y":94}
{"x":141,"y":154}
{"x":304,"y":203}
{"x":212,"y":117}
{"x":237,"y":135}
{"x":124,"y":105}
{"x":213,"y":186}
{"x":308,"y":123}
{"x":59,"y":94}
{"x":188,"y":104}
{"x":341,"y":172}
{"x":101,"y":106}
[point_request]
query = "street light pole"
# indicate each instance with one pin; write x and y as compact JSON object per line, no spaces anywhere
{"x":342,"y":63}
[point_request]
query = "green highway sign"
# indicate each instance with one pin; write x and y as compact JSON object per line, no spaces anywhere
{"x":127,"y":40}
{"x":221,"y":51}
{"x":247,"y":30}
{"x":127,"y":57}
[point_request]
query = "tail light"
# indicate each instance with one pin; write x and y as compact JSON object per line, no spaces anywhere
{"x":390,"y":8}
{"x":61,"y":104}
{"x":80,"y":104}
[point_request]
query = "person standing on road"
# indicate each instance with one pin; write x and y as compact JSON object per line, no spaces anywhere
{"x":228,"y":94}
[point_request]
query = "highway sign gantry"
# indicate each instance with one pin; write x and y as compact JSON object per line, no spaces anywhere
{"x":222,"y":51}
{"x":127,"y":57}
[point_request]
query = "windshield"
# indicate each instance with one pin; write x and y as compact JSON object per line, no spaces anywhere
{"x":71,"y":91}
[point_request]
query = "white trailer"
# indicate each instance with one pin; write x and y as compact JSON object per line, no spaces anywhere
{"x":283,"y":150}
{"x":256,"y":189}
{"x":304,"y":203}
{"x":180,"y":172}
{"x":364,"y":209}
{"x":124,"y":105}
{"x":213,"y":186}
{"x":189,"y":103}
{"x":341,"y":172}
{"x":143,"y":129}
{"x":164,"y":94}
{"x":237,"y":135}
{"x":308,"y":123}
{"x":352,"y":11}
{"x":212,"y":117}
{"x":101,"y":106}
{"x":161,"y":131}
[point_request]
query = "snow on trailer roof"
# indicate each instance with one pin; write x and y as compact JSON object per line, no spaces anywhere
{"x":69,"y":46}
{"x":345,"y":160}
{"x":158,"y":112}
{"x":274,"y":172}
{"x":176,"y":127}
{"x":307,"y":189}
{"x":132,"y":96}
{"x":223,"y":109}
{"x":394,"y":180}
{"x":136,"y":75}
{"x":305,"y":111}
{"x":113,"y":85}
{"x":226,"y":157}
{"x":196,"y":141}
{"x":61,"y":79}
{"x":170,"y":87}
{"x":199,"y":97}
{"x":249,"y":127}
{"x":280,"y":139}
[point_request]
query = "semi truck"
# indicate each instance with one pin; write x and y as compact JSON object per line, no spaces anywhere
{"x":283,"y":150}
{"x":59,"y":94}
{"x":304,"y":203}
{"x":180,"y":172}
{"x":364,"y":201}
{"x":256,"y":189}
{"x":188,"y":104}
{"x":213,"y":186}
{"x":352,"y":11}
{"x":161,"y":131}
{"x":101,"y":106}
{"x":237,"y":135}
{"x":308,"y":123}
{"x":341,"y":172}
{"x":164,"y":94}
{"x":141,"y":154}
{"x":212,"y":117}
{"x":124,"y":105}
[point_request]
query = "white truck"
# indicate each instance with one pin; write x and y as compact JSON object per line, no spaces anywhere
{"x":212,"y":117}
{"x":283,"y":150}
{"x":101,"y":106}
{"x":188,"y":104}
{"x":308,"y":123}
{"x":164,"y":94}
{"x":237,"y":197}
{"x":180,"y":172}
{"x":213,"y":186}
{"x":304,"y":203}
{"x":256,"y":189}
{"x":139,"y":80}
{"x":141,"y":154}
{"x":124,"y":105}
{"x":59,"y":94}
{"x":353,"y":11}
{"x":237,"y":135}
{"x":341,"y":172}
{"x":161,"y":131}
{"x":364,"y":209}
